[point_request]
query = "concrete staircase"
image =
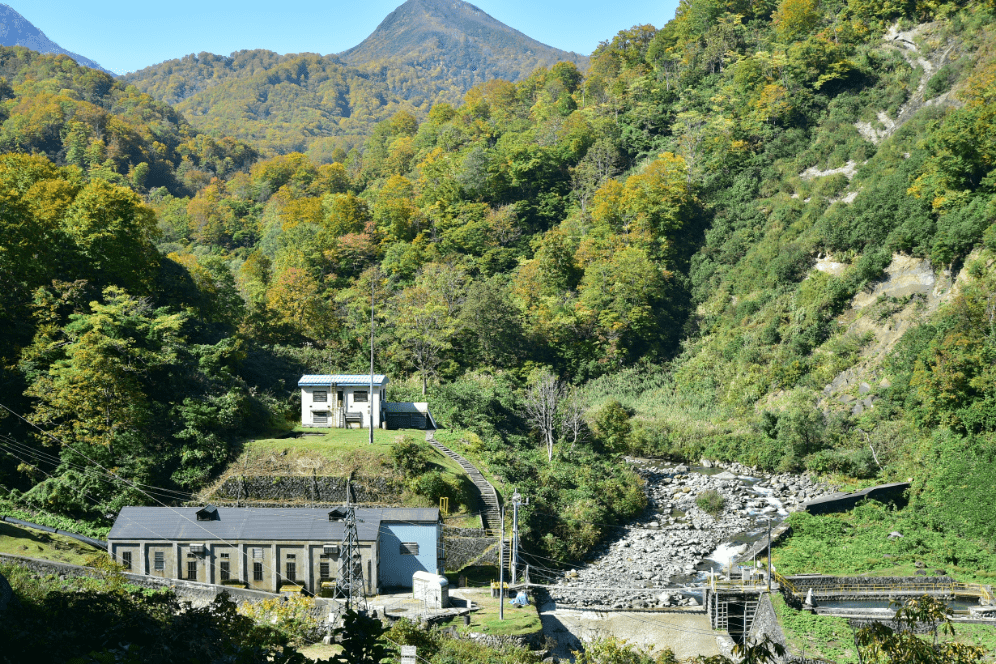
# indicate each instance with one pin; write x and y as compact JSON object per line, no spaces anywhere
{"x":490,"y":509}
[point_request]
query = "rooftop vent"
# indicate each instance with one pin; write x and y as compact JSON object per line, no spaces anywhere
{"x":337,"y":514}
{"x":207,"y":513}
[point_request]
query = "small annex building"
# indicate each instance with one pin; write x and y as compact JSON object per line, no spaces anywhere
{"x":344,"y":401}
{"x":269,"y":548}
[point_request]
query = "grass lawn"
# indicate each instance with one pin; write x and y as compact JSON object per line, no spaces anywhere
{"x":983,"y":636}
{"x":518,"y":620}
{"x":832,"y":638}
{"x":819,"y":636}
{"x":857,"y":543}
{"x":23,"y":541}
{"x":341,"y":452}
{"x":325,"y":451}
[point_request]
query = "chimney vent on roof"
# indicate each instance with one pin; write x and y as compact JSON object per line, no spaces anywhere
{"x":207,"y":513}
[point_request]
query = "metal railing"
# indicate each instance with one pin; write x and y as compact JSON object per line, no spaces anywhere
{"x":964,"y":589}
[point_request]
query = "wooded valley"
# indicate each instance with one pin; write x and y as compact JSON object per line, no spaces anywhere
{"x":688,"y":235}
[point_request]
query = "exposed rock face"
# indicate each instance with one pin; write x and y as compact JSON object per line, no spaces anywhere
{"x":675,"y":535}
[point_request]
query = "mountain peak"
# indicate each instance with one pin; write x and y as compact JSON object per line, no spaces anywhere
{"x":15,"y":30}
{"x":446,"y":27}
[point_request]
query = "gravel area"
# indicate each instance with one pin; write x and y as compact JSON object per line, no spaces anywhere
{"x":671,"y":544}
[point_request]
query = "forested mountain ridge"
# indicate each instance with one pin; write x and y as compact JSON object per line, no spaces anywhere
{"x":423,"y":53}
{"x":439,"y":49}
{"x":15,"y":30}
{"x":282,"y":103}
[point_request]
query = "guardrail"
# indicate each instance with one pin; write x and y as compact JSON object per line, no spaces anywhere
{"x":964,"y":589}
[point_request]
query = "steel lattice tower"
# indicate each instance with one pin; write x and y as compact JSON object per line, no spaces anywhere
{"x":349,"y":585}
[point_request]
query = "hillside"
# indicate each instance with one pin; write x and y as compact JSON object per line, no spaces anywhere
{"x":15,"y":30}
{"x":439,"y":49}
{"x":425,"y":52}
{"x":283,"y":103}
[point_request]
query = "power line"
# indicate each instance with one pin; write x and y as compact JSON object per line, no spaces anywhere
{"x":128,"y":483}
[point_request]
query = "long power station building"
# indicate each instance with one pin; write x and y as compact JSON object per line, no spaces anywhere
{"x":270,"y":548}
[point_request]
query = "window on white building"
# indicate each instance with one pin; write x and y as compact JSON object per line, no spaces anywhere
{"x":359,"y":396}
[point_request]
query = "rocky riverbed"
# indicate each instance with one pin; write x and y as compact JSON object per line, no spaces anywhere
{"x":675,"y":541}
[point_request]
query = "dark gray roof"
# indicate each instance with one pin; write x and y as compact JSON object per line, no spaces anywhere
{"x":257,"y":524}
{"x":410,"y":514}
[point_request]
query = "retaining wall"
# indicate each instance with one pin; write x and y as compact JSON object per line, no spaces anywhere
{"x":324,"y":489}
{"x":532,"y":641}
{"x":464,"y":551}
{"x":766,"y":624}
{"x":908,"y":583}
{"x":884,"y":493}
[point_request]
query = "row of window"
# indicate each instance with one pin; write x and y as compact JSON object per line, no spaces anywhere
{"x":322,"y":397}
{"x":159,"y":563}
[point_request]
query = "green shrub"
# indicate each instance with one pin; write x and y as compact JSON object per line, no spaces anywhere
{"x":611,"y":426}
{"x":711,"y":502}
{"x":410,"y":456}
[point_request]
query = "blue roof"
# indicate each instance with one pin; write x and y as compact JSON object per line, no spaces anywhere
{"x":347,"y":380}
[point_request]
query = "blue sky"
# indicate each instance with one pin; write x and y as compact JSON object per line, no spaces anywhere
{"x":124,"y":36}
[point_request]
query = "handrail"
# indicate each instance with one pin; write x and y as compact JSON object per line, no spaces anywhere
{"x":956,"y":588}
{"x":785,"y":583}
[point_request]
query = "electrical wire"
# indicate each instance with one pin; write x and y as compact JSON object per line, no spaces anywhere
{"x":9,"y":443}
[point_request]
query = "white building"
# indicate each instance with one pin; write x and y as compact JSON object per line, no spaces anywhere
{"x":342,"y":401}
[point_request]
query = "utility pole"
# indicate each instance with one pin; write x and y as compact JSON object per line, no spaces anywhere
{"x":516,"y":501}
{"x":501,"y":568}
{"x":370,"y":397}
{"x":769,"y":555}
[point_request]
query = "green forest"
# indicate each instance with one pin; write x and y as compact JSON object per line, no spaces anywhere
{"x":645,"y":236}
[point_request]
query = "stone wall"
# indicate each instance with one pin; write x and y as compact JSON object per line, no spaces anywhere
{"x":531,"y":641}
{"x":802,"y":583}
{"x":309,"y":488}
{"x":451,"y":531}
{"x":766,"y":623}
{"x":885,"y":493}
{"x":464,"y":551}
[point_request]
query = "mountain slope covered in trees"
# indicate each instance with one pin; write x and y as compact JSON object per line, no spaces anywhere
{"x":15,"y":30}
{"x":438,"y":49}
{"x":424,"y":52}
{"x":281,"y":103}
